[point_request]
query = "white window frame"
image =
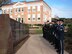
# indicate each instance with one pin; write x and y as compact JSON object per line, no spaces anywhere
{"x":29,"y":9}
{"x":29,"y":18}
{"x":38,"y":8}
{"x":10,"y":11}
{"x":19,"y":10}
{"x":33,"y":16}
{"x":22,"y":9}
{"x":34,"y":8}
{"x":38,"y":16}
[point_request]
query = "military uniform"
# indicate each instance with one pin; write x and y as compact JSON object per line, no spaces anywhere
{"x":44,"y":30}
{"x":60,"y":38}
{"x":56,"y":41}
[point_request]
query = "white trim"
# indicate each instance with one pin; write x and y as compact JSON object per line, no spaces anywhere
{"x":35,"y":4}
{"x":18,"y":3}
{"x":19,"y":6}
{"x":5,"y":8}
{"x":18,"y":16}
{"x":22,"y":14}
{"x":29,"y":15}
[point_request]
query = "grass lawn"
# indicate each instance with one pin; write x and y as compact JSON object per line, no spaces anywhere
{"x":39,"y":31}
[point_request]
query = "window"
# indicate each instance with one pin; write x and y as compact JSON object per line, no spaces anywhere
{"x":33,"y":15}
{"x":28,"y":18}
{"x":33,"y":18}
{"x":38,"y":8}
{"x":38,"y":18}
{"x":18,"y":9}
{"x":29,"y":9}
{"x":22,"y":20}
{"x":45,"y":18}
{"x":10,"y":11}
{"x":29,"y":15}
{"x":19,"y":19}
{"x":22,"y":9}
{"x":38,"y":15}
{"x":16,"y":19}
{"x":33,"y":8}
{"x":4,"y":11}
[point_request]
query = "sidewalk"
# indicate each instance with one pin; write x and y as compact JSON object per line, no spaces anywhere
{"x":36,"y":44}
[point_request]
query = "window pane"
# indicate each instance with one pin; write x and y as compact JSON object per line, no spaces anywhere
{"x":34,"y":10}
{"x":19,"y":9}
{"x":4,"y":11}
{"x":22,"y":20}
{"x":38,"y":18}
{"x":16,"y":10}
{"x":28,"y":10}
{"x":18,"y":19}
{"x":33,"y":18}
{"x":29,"y":15}
{"x":22,"y":9}
{"x":38,"y":8}
{"x":28,"y":18}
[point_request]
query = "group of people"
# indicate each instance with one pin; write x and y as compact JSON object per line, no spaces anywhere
{"x":54,"y":33}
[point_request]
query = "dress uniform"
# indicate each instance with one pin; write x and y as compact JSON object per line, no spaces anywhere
{"x":51,"y":34}
{"x":60,"y":37}
{"x":56,"y":41}
{"x":45,"y":30}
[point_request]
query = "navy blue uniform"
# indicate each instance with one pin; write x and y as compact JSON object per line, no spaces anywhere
{"x":60,"y":37}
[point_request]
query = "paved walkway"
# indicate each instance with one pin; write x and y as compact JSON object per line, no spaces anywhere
{"x":36,"y":44}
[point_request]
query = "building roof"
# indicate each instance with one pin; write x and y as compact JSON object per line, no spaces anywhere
{"x":26,"y":2}
{"x":10,"y":4}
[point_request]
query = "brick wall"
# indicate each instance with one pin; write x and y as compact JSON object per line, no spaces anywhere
{"x":11,"y":33}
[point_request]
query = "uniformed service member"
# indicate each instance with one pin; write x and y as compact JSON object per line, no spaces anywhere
{"x":54,"y":33}
{"x":45,"y":30}
{"x":60,"y":36}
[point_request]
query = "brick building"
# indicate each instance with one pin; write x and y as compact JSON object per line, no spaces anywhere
{"x":33,"y":12}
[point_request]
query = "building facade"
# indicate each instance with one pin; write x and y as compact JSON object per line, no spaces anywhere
{"x":34,"y":12}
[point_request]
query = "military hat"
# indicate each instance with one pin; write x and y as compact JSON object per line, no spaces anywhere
{"x":60,"y":20}
{"x":53,"y":20}
{"x":57,"y":20}
{"x":47,"y":20}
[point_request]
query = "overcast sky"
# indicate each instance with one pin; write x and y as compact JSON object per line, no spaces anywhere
{"x":61,"y":8}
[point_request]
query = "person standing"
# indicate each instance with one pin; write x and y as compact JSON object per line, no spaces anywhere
{"x":45,"y":29}
{"x":60,"y":36}
{"x":56,"y":35}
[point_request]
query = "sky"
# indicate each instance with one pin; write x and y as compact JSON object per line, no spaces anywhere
{"x":61,"y":8}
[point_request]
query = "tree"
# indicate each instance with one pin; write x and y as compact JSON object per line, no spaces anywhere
{"x":2,"y":2}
